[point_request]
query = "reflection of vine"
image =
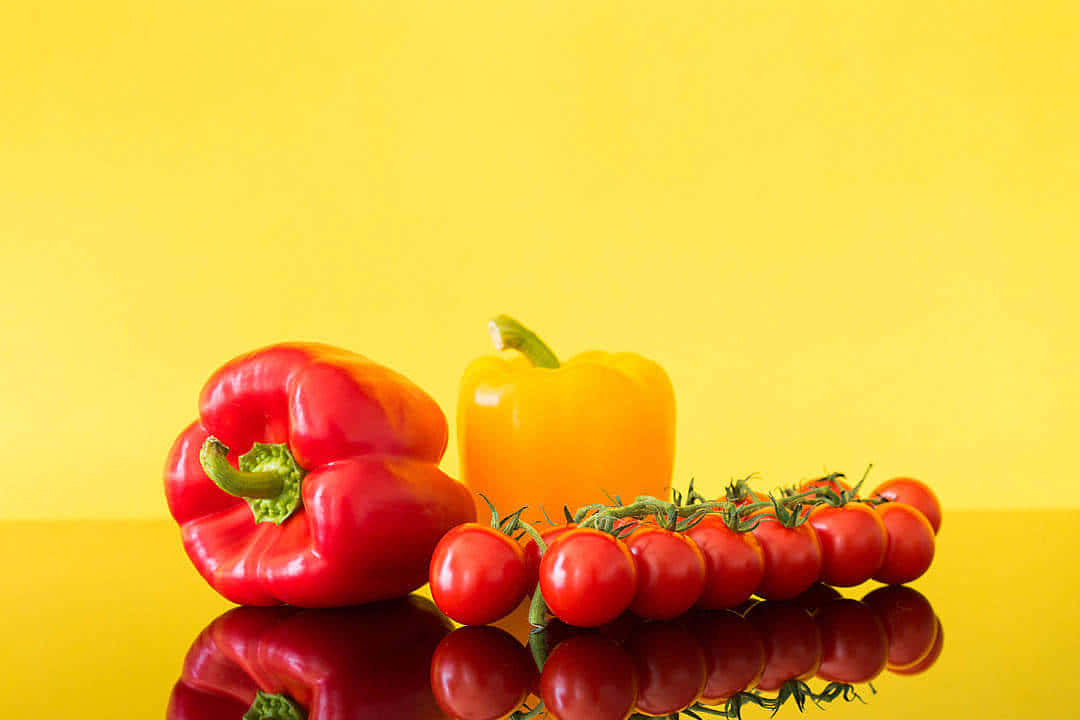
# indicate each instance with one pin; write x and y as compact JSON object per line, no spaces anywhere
{"x":795,"y":691}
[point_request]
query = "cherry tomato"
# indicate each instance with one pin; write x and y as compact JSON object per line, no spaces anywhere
{"x":481,"y":673}
{"x":852,"y":541}
{"x":792,"y":559}
{"x":477,"y":574}
{"x":818,"y":594}
{"x":670,"y":668}
{"x":910,"y":548}
{"x":833,"y":483}
{"x":910,"y":623}
{"x":792,"y":643}
{"x":854,"y":647}
{"x":670,"y":571}
{"x":588,"y":677}
{"x":916,"y":494}
{"x":734,"y":654}
{"x":532,"y":552}
{"x":927,"y":662}
{"x":734,"y":563}
{"x":587,"y":577}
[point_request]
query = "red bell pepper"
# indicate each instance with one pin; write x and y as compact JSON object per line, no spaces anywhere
{"x":288,"y":664}
{"x":311,"y":478}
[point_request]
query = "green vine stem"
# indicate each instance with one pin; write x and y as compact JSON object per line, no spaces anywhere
{"x":508,"y":334}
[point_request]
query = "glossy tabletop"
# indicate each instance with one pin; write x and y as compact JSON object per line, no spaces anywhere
{"x":99,"y":616}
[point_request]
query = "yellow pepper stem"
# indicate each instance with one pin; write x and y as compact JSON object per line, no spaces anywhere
{"x":508,"y":333}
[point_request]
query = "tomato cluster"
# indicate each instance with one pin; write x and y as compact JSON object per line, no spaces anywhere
{"x":705,"y":658}
{"x":659,"y":560}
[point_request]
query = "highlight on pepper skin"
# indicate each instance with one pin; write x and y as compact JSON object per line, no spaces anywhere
{"x":820,"y":648}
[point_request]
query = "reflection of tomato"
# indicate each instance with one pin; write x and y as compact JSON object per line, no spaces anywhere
{"x":816,"y":596}
{"x":852,"y":541}
{"x":532,"y":552}
{"x":927,"y":662}
{"x":914,"y":493}
{"x":588,"y":677}
{"x":587,"y":577}
{"x":670,"y":571}
{"x":670,"y":668}
{"x":792,"y":643}
{"x":910,"y":548}
{"x":854,"y":647}
{"x":481,"y":673}
{"x":909,"y":621}
{"x":734,"y":654}
{"x":734,"y":563}
{"x":477,"y":574}
{"x":792,"y":559}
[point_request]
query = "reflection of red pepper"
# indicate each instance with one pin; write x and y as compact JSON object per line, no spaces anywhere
{"x":344,"y":498}
{"x":330,"y":664}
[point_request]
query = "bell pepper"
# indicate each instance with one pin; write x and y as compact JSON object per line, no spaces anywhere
{"x":537,"y":432}
{"x":290,"y":664}
{"x":311,"y":478}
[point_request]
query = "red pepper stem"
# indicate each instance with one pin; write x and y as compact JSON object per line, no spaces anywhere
{"x":263,"y":484}
{"x":508,"y":334}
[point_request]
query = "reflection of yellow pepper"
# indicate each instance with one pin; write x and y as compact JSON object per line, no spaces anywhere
{"x":537,"y":433}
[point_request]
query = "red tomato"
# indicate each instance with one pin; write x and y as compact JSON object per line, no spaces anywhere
{"x":734,"y":654}
{"x":910,"y":624}
{"x":532,"y":552}
{"x":854,"y":647}
{"x":910,"y":548}
{"x":477,"y":574}
{"x":835,"y":484}
{"x":587,"y":577}
{"x":792,"y":559}
{"x":588,"y":677}
{"x":670,"y":571}
{"x":670,"y":668}
{"x":792,"y":643}
{"x":852,"y":541}
{"x":481,"y":673}
{"x":813,"y":599}
{"x":927,"y":662}
{"x":916,"y":494}
{"x":734,"y":563}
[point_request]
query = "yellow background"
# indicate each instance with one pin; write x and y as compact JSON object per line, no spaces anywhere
{"x":849,"y":230}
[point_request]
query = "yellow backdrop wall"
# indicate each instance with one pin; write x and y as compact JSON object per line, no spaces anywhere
{"x":849,"y":233}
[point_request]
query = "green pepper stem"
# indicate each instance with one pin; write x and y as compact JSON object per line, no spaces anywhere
{"x":508,"y":334}
{"x":264,"y":484}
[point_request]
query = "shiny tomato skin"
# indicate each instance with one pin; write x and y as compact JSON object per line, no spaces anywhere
{"x":931,"y":657}
{"x":910,"y":548}
{"x":854,"y":647}
{"x":734,"y":654}
{"x":587,"y":677}
{"x":532,"y":552}
{"x":853,"y":543}
{"x":670,"y":572}
{"x":481,"y":673}
{"x":734,"y":562}
{"x":792,"y":643}
{"x":587,"y":577}
{"x":670,"y":668}
{"x":909,"y":621}
{"x":916,"y":494}
{"x":477,"y":574}
{"x":792,"y":559}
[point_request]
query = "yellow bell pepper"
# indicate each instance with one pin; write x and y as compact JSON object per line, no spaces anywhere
{"x":532,"y":431}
